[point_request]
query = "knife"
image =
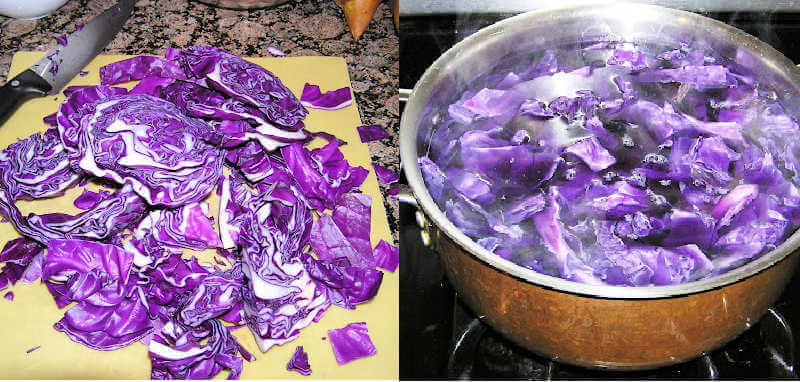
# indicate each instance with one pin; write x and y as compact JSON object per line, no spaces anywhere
{"x":63,"y":62}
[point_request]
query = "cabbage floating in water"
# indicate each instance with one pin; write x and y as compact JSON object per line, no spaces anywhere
{"x":616,"y":165}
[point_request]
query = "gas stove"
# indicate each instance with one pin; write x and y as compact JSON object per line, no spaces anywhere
{"x":440,"y":338}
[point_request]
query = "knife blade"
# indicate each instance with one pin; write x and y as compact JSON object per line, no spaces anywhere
{"x":62,"y":63}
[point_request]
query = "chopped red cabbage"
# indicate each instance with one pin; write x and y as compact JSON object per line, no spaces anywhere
{"x":9,"y":296}
{"x":178,"y":351}
{"x":37,"y":167}
{"x":18,"y":255}
{"x":244,"y":81}
{"x":322,"y":175}
{"x":186,"y":226}
{"x":329,"y":243}
{"x":351,"y":343}
{"x":108,"y":316}
{"x":353,"y":218}
{"x":387,"y":256}
{"x":137,"y":68}
{"x":89,"y":199}
{"x":592,"y":153}
{"x":385,"y":175}
{"x":275,"y":51}
{"x":161,"y":148}
{"x":299,"y":362}
{"x":369,"y":133}
{"x":119,"y":211}
{"x":345,"y":285}
{"x":271,"y":247}
{"x":331,"y":100}
{"x":159,"y":152}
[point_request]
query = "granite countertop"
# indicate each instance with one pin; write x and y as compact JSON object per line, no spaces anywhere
{"x":299,"y":28}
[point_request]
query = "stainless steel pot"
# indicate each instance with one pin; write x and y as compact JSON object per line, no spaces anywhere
{"x":597,"y":326}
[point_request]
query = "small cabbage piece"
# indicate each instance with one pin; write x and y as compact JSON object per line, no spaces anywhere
{"x":331,"y":100}
{"x":345,"y":285}
{"x":386,"y":256}
{"x":552,"y":233}
{"x":351,"y":342}
{"x":120,"y":211}
{"x":244,"y":81}
{"x":619,"y":199}
{"x":690,"y":227}
{"x":757,"y":227}
{"x":523,"y":208}
{"x":139,"y":67}
{"x":275,"y":51}
{"x":322,"y":175}
{"x":435,"y":179}
{"x":156,"y":149}
{"x":592,"y":153}
{"x":712,"y":160}
{"x":88,"y":199}
{"x":36,"y":167}
{"x":353,"y":217}
{"x":488,"y":103}
{"x":369,"y":133}
{"x":97,"y":276}
{"x":535,"y":108}
{"x":629,"y":58}
{"x":33,"y":272}
{"x":187,"y":226}
{"x":217,"y":295}
{"x":299,"y":362}
{"x":170,"y":283}
{"x":498,"y":161}
{"x":621,"y":264}
{"x":9,"y":296}
{"x":252,"y":161}
{"x":181,"y":352}
{"x":681,"y":264}
{"x":698,"y":77}
{"x":385,"y":175}
{"x":733,"y":203}
{"x":470,"y":185}
{"x":330,"y":243}
{"x":19,"y":255}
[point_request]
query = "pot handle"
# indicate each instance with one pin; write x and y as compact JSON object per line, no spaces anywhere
{"x":405,"y":196}
{"x":404,"y":94}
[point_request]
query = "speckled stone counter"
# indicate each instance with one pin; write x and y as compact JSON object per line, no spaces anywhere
{"x":299,"y":28}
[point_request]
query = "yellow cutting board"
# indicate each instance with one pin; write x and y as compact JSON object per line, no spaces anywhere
{"x":28,"y":321}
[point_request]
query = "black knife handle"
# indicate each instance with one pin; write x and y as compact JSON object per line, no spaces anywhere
{"x":26,"y":85}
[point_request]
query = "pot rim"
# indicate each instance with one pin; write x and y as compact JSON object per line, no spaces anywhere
{"x":408,"y":152}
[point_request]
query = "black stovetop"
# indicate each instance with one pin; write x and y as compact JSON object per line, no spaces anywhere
{"x":440,"y":337}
